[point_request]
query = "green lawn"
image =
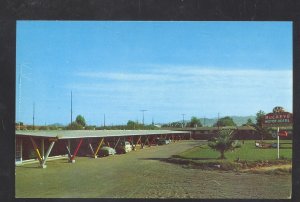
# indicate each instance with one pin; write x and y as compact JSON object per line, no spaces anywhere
{"x":248,"y":152}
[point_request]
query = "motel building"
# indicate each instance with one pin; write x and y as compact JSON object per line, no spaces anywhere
{"x":44,"y":145}
{"x":37,"y":145}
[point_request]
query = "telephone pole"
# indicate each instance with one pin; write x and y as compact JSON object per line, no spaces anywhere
{"x":218,"y":121}
{"x":33,"y":116}
{"x":182,"y":120}
{"x":143,"y":110}
{"x":104,"y":120}
{"x":71,"y":108}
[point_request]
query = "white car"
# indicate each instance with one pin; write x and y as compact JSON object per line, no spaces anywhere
{"x":124,"y":147}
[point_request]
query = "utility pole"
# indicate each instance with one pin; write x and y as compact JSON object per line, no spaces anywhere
{"x":143,"y":110}
{"x":218,"y":121}
{"x":182,"y":120}
{"x":104,"y":120}
{"x":71,"y":108}
{"x":33,"y":116}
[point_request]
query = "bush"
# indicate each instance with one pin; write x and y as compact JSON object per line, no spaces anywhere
{"x":44,"y":128}
{"x":90,"y":128}
{"x":53,"y":128}
{"x":74,"y":126}
{"x":30,"y":127}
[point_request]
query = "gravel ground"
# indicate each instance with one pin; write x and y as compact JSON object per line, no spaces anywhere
{"x":144,"y":174}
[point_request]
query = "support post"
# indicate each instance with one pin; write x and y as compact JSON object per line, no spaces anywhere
{"x":47,"y":154}
{"x":43,"y":148}
{"x":117,"y":143}
{"x":69,"y":144}
{"x":130,"y":139}
{"x":21,"y":150}
{"x":91,"y":148}
{"x":98,"y":148}
{"x":146,"y":140}
{"x":69,"y":153}
{"x":138,"y":141}
{"x":76,"y":150}
{"x":36,"y":150}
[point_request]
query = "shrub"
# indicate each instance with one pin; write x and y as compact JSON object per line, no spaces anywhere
{"x":74,"y":126}
{"x":223,"y":142}
{"x":44,"y":128}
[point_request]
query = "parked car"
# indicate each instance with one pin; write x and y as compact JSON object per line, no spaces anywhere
{"x":124,"y":147}
{"x":163,"y":141}
{"x":106,"y":151}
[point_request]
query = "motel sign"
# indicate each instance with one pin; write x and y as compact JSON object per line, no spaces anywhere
{"x":278,"y":119}
{"x":282,"y":118}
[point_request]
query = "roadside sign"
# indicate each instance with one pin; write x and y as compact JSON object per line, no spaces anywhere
{"x":276,"y":119}
{"x":283,"y":133}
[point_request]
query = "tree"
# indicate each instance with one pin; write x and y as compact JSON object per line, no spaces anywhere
{"x":259,"y":118}
{"x":195,"y":122}
{"x":74,"y":126}
{"x":259,"y":125}
{"x":225,"y":121}
{"x":131,"y":125}
{"x":80,"y":120}
{"x":223,"y":142}
{"x":249,"y":122}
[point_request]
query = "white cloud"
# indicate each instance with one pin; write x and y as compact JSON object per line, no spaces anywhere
{"x":119,"y":76}
{"x":186,"y":87}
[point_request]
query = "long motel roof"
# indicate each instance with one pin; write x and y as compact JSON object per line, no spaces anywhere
{"x":71,"y":134}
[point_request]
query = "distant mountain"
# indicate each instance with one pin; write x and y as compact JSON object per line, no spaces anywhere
{"x":239,"y":120}
{"x":56,"y":125}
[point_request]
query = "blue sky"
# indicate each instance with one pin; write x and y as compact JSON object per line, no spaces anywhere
{"x":168,"y":68}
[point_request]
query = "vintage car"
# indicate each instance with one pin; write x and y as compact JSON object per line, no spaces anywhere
{"x":163,"y":141}
{"x":123,"y":147}
{"x":106,"y":151}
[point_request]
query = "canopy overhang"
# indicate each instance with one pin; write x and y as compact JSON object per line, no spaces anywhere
{"x":72,"y":134}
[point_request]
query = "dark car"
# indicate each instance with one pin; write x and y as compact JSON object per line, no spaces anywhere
{"x":163,"y":141}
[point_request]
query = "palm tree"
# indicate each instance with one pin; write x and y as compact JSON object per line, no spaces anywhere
{"x":223,"y":142}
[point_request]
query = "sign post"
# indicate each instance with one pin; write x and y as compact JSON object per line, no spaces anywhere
{"x":278,"y":119}
{"x":278,"y":143}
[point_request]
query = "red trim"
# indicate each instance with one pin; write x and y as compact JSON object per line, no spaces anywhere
{"x":77,"y":148}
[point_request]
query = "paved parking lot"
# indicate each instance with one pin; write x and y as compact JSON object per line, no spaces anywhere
{"x":143,"y":174}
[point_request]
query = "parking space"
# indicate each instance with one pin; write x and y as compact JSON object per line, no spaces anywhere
{"x":143,"y":174}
